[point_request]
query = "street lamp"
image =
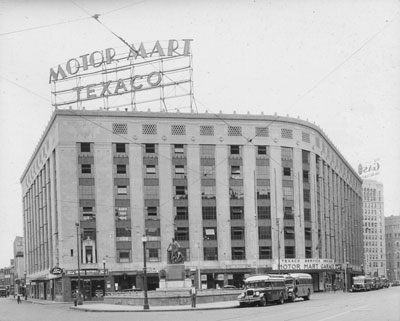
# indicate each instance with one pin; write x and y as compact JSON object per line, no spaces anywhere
{"x":78,"y":297}
{"x":25,"y":287}
{"x":104,"y":276}
{"x":146,"y":300}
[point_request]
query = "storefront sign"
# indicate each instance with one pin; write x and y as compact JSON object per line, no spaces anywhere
{"x":91,"y":272}
{"x":304,"y":264}
{"x":56,"y":270}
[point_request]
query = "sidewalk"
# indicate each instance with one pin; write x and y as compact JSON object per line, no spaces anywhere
{"x":101,"y":307}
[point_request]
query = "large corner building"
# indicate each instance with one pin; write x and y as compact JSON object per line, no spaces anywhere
{"x":241,"y":194}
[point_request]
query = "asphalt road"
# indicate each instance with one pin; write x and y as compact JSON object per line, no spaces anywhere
{"x":369,"y":306}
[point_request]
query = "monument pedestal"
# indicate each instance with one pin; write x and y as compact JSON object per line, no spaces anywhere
{"x":175,"y":278}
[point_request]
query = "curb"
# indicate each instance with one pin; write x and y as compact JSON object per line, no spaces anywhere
{"x":174,"y":309}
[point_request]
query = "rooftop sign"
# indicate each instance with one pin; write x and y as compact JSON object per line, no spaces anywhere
{"x":133,"y":69}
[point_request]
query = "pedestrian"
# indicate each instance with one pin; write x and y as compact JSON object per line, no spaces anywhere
{"x":18,"y":298}
{"x":193,"y":293}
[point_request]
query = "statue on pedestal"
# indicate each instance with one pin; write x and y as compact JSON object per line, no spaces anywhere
{"x":174,"y":255}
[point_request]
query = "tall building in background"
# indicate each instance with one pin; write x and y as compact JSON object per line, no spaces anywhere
{"x":392,"y":228}
{"x":19,"y":265}
{"x":374,"y":229}
{"x":240,"y":193}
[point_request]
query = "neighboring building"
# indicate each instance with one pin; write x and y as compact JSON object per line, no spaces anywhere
{"x":374,"y":229}
{"x":392,"y":228}
{"x":19,"y":264}
{"x":240,"y":193}
{"x":7,"y":279}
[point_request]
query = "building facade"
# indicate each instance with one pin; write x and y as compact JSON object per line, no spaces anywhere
{"x":240,"y":193}
{"x":19,"y":265}
{"x":374,"y":229}
{"x":392,"y":230}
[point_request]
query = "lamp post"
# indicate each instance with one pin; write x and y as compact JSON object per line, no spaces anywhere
{"x":104,"y":277}
{"x":146,"y":300}
{"x":78,"y":297}
{"x":25,"y":287}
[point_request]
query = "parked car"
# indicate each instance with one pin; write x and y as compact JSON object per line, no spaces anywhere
{"x":229,"y":287}
{"x":396,"y":283}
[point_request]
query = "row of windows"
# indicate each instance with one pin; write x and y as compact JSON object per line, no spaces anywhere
{"x":208,"y":213}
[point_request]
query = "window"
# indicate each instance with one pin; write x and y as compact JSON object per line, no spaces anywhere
{"x":209,"y":213}
{"x":179,"y":169}
{"x":237,"y":233}
{"x":153,"y":231}
{"x":305,"y":176}
{"x":123,"y":232}
{"x":263,"y":192}
{"x":287,"y":153}
{"x":287,"y":171}
{"x":305,"y":157}
{"x":86,"y":168}
{"x":182,"y":234}
{"x":237,"y":213}
{"x":207,"y":151}
{"x":265,"y":252}
{"x":182,"y":213}
{"x":306,"y":195}
{"x":307,"y":214}
{"x":150,"y":148}
{"x":288,"y":213}
{"x":288,"y":232}
{"x":121,"y":169}
{"x":153,"y":254}
{"x":235,"y":150}
{"x":208,"y":171}
{"x":238,"y":253}
{"x":235,"y":171}
{"x":262,"y":150}
{"x":262,"y":172}
{"x":290,"y":252}
{"x":122,"y":190}
{"x":264,"y":232}
{"x":151,"y":211}
{"x":236,"y":192}
{"x":89,"y":254}
{"x":180,"y":192}
{"x":120,"y":148}
{"x":308,"y":252}
{"x":85,"y":148}
{"x":89,"y":233}
{"x":151,"y":192}
{"x":87,"y":213}
{"x":151,"y":169}
{"x":210,"y":254}
{"x":208,"y":192}
{"x":121,"y":213}
{"x":179,"y":149}
{"x":264,"y":212}
{"x":288,"y":193}
{"x":307,"y":233}
{"x":124,"y":256}
{"x":209,"y":233}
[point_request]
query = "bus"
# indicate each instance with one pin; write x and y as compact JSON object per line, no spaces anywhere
{"x":299,"y":285}
{"x":263,"y":289}
{"x":362,"y":283}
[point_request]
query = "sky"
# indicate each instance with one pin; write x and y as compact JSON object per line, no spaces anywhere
{"x":335,"y":63}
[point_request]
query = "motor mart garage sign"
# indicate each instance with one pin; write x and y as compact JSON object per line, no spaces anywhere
{"x":304,"y":264}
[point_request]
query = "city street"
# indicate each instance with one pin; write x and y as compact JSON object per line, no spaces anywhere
{"x":369,"y":306}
